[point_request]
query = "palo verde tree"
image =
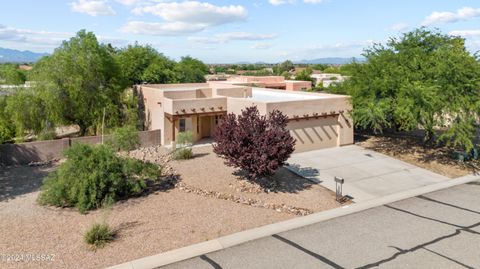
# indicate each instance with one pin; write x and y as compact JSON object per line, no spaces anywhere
{"x":255,"y":143}
{"x":78,"y":81}
{"x":423,"y":79}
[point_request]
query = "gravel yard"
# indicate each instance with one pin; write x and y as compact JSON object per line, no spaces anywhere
{"x":412,"y":150}
{"x":207,"y":202}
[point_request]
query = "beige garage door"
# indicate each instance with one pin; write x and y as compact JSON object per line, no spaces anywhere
{"x":314,"y":133}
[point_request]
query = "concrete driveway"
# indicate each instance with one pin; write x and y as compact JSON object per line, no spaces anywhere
{"x":367,"y":174}
{"x":435,"y":230}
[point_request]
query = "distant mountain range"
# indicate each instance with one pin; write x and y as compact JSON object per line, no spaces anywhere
{"x":330,"y":60}
{"x":17,"y":56}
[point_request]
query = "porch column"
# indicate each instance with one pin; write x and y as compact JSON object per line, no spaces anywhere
{"x":173,"y":130}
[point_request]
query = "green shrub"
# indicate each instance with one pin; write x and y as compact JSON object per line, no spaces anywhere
{"x":185,"y":139}
{"x":93,"y":175}
{"x":99,"y":234}
{"x":124,"y":138}
{"x":184,"y":143}
{"x":183,"y":154}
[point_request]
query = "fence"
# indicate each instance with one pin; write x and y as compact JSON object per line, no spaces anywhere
{"x":42,"y":151}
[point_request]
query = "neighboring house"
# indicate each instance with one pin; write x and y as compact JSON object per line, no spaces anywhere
{"x":271,"y":82}
{"x":327,"y":79}
{"x":315,"y":120}
{"x":216,"y":77}
{"x":10,"y":89}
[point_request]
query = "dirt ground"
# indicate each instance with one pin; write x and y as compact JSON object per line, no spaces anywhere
{"x":202,"y":172}
{"x":207,"y":202}
{"x":412,"y":150}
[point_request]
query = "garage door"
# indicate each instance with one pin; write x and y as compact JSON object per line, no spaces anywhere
{"x":314,"y":133}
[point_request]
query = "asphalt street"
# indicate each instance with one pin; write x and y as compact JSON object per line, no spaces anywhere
{"x":436,"y":230}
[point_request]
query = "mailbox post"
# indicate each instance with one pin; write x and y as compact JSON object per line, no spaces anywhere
{"x":339,"y":188}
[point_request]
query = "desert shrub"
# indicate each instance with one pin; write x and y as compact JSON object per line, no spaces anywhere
{"x":98,"y":235}
{"x":185,"y":139}
{"x":183,"y":154}
{"x":124,"y":138}
{"x":184,"y":149}
{"x":92,"y":175}
{"x":257,"y":144}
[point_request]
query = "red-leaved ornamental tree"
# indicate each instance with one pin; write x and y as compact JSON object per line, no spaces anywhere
{"x":255,"y":143}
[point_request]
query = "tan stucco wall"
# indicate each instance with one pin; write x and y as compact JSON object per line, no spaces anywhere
{"x":332,"y":127}
{"x":298,"y":85}
{"x":315,"y":134}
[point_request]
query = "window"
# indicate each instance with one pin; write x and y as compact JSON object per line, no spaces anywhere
{"x":217,"y":119}
{"x":181,"y":124}
{"x":198,"y":125}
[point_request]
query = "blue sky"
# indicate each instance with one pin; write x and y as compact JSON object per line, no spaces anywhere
{"x":235,"y":30}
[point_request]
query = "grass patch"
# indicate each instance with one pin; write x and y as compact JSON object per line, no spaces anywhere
{"x":98,"y":235}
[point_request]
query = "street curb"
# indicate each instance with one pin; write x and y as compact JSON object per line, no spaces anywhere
{"x":227,"y":241}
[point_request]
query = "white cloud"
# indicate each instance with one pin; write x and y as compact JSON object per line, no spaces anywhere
{"x":398,"y":27}
{"x":262,"y":45}
{"x":185,"y":17}
{"x":283,"y":2}
{"x":465,"y":33}
{"x":92,"y":7}
{"x":462,"y":14}
{"x":168,"y":28}
{"x":280,"y":2}
{"x":129,"y":2}
{"x":26,"y":38}
{"x":341,"y":49}
{"x":232,"y":36}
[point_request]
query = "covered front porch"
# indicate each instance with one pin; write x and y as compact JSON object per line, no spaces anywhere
{"x":202,"y":125}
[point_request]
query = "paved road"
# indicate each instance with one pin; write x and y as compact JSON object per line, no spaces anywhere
{"x":367,"y":174}
{"x":437,"y":230}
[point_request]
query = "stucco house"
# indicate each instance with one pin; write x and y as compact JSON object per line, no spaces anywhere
{"x":316,"y":120}
{"x":270,"y":82}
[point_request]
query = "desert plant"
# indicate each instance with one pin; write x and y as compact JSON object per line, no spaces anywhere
{"x":184,"y":149}
{"x":92,"y":175}
{"x":183,"y":154}
{"x":185,"y":139}
{"x":99,"y":234}
{"x":257,"y":144}
{"x":124,"y":138}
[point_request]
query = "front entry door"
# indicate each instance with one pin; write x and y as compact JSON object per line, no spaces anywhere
{"x":206,"y":126}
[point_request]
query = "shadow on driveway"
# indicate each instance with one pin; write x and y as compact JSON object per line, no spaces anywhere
{"x":20,"y":180}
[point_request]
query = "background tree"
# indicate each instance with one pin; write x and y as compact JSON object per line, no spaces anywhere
{"x":78,"y":81}
{"x":27,"y":112}
{"x":11,"y":75}
{"x":305,"y":75}
{"x":140,"y":64}
{"x":286,"y":66}
{"x":423,"y":79}
{"x":257,"y":144}
{"x":320,"y":67}
{"x":191,"y":70}
{"x":7,"y":129}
